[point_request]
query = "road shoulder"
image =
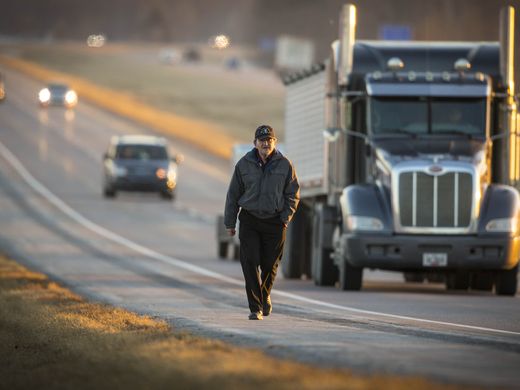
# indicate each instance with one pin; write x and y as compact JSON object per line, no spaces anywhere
{"x":62,"y":340}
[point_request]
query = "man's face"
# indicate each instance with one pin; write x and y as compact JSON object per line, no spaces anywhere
{"x":265,"y":146}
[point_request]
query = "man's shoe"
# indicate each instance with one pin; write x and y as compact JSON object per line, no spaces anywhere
{"x":268,"y":307}
{"x":257,"y":315}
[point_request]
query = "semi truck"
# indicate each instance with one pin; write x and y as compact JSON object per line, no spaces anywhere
{"x":408,"y":158}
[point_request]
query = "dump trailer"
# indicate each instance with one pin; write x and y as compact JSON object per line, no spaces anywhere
{"x":408,"y":159}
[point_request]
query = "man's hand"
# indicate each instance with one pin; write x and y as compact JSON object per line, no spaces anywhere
{"x":231,"y":232}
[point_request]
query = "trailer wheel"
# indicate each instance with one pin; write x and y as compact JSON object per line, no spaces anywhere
{"x":222,"y":249}
{"x":507,"y":282}
{"x":457,"y":280}
{"x":324,"y":271}
{"x":109,"y":192}
{"x":236,"y":252}
{"x":482,"y":281}
{"x":350,"y":278}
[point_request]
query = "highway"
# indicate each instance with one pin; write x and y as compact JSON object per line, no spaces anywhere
{"x":158,"y":257}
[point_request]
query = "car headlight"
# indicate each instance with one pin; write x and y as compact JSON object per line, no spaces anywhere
{"x":502,"y":225}
{"x":119,"y":171}
{"x":172,"y":174}
{"x":160,"y":173}
{"x":71,"y":97}
{"x":44,"y":95}
{"x":357,"y":223}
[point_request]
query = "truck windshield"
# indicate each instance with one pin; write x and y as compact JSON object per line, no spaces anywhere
{"x":426,"y":115}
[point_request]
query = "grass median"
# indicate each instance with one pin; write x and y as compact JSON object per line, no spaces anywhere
{"x":52,"y":338}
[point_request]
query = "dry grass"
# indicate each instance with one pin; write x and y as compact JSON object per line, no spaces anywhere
{"x":51,"y":338}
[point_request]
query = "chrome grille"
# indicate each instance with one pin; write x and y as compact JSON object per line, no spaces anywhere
{"x":443,"y":201}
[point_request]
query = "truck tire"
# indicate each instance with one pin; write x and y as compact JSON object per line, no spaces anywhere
{"x":350,"y":277}
{"x":482,"y":281}
{"x":236,"y":252}
{"x":507,"y":282}
{"x":458,"y":280}
{"x":222,"y":250}
{"x":109,"y":192}
{"x":167,"y":195}
{"x":324,"y":271}
{"x":296,"y":248}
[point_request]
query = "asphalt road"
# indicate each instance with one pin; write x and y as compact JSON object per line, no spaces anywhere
{"x":159,"y":257}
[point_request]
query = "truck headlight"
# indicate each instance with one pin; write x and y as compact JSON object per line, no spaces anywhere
{"x":357,"y":223}
{"x":502,"y":225}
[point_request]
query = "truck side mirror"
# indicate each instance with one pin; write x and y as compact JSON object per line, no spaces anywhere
{"x":368,"y":150}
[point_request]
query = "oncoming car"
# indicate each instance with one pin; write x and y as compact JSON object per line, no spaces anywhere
{"x":139,"y":163}
{"x":57,"y":94}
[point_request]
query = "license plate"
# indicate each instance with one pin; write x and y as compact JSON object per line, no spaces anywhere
{"x":435,"y":259}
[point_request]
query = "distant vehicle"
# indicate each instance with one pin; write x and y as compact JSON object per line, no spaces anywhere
{"x":58,"y":94}
{"x":293,"y":54}
{"x":169,"y":56}
{"x":139,"y":163}
{"x":232,"y":63}
{"x":96,"y":40}
{"x":224,"y":240}
{"x":2,"y":88}
{"x":191,"y":55}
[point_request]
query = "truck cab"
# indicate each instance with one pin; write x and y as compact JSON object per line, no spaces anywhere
{"x":418,"y":166}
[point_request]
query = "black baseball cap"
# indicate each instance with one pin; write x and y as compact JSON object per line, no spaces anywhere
{"x":264,"y":131}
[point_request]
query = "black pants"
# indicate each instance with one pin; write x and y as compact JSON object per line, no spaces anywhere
{"x":261,"y":247}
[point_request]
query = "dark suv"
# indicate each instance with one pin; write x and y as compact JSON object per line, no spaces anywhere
{"x":139,"y":163}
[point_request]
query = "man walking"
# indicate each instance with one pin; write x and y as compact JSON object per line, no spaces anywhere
{"x":265,"y":189}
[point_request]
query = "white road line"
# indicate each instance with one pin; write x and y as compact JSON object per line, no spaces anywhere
{"x":53,"y":199}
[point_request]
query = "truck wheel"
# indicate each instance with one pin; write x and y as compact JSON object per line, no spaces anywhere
{"x":482,"y":281}
{"x":236,"y":252}
{"x":350,"y":278}
{"x":413,"y":277}
{"x":507,"y":282}
{"x":324,"y":271}
{"x":167,"y":195}
{"x":222,"y":249}
{"x":296,"y":248}
{"x":109,"y":192}
{"x":457,"y":280}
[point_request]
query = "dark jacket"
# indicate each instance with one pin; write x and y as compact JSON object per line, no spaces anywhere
{"x":264,"y":193}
